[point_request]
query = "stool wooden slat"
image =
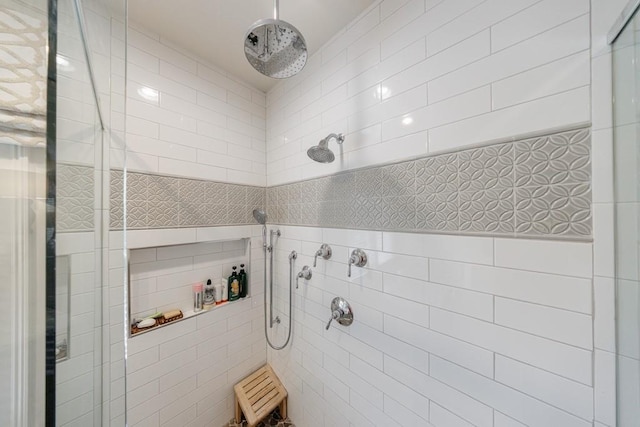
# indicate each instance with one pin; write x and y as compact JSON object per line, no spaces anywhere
{"x":258,"y":395}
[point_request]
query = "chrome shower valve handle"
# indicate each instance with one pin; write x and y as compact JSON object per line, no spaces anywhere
{"x":340,"y":312}
{"x":324,"y":252}
{"x":305,"y":274}
{"x":357,"y":258}
{"x":335,"y":315}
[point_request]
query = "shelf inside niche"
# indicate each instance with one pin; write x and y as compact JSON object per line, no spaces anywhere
{"x":188,"y":315}
{"x":161,"y":277}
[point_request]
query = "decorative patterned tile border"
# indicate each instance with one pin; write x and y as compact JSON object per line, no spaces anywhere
{"x":75,"y":198}
{"x":539,"y":187}
{"x":160,"y":201}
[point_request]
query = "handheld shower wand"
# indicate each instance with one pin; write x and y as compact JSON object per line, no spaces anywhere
{"x":261,"y":217}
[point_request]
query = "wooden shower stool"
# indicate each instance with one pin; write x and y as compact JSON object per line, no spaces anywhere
{"x":258,"y":395}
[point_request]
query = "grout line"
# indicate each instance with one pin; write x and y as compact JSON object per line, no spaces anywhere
{"x":510,"y":328}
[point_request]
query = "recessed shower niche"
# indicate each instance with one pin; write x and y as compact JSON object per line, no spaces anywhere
{"x":161,"y":279}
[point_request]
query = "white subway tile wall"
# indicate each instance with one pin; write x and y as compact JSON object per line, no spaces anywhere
{"x":444,"y":341}
{"x":77,"y":377}
{"x":439,"y":337}
{"x":424,"y":76}
{"x":184,"y":373}
{"x":449,"y":330}
{"x":187,"y":118}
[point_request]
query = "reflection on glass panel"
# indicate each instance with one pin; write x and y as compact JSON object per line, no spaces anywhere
{"x":91,"y":33}
{"x":63,"y":293}
{"x":80,"y":170}
{"x":78,"y":229}
{"x":626,"y":77}
{"x":23,"y":38}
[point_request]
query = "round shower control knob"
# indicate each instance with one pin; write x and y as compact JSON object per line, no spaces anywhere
{"x":340,"y":312}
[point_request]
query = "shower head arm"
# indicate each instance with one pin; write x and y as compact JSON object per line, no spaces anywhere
{"x":276,"y":9}
{"x":338,"y":137}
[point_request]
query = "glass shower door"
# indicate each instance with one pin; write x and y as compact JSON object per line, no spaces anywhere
{"x":23,"y":50}
{"x":79,"y":236}
{"x":54,"y":168}
{"x":626,"y":86}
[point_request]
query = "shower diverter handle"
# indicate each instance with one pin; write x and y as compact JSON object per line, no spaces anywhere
{"x":305,"y":274}
{"x":357,"y":258}
{"x":324,"y":252}
{"x":340,"y":312}
{"x":335,"y":315}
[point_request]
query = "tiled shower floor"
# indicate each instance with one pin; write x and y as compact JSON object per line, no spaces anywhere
{"x":274,"y":420}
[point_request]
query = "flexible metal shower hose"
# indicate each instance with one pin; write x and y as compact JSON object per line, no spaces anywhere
{"x":292,"y":258}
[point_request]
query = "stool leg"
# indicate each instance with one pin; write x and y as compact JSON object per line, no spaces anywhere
{"x":238,"y":412}
{"x":283,"y":408}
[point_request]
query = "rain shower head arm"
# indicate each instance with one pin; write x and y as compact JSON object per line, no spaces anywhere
{"x":276,"y":9}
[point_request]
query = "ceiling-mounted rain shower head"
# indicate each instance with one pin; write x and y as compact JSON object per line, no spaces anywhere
{"x":275,"y":48}
{"x":321,"y":152}
{"x":260,"y":216}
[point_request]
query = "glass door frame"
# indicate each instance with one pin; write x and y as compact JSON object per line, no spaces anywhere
{"x":50,"y":227}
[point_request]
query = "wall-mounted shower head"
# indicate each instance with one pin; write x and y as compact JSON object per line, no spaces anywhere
{"x":260,"y":216}
{"x":321,"y":152}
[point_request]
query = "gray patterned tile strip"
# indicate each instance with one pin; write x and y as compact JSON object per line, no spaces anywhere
{"x":159,"y":201}
{"x":534,"y":187}
{"x":75,"y":198}
{"x":538,"y":187}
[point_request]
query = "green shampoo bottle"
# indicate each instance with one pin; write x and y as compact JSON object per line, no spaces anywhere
{"x":242,"y":276}
{"x":234,"y":285}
